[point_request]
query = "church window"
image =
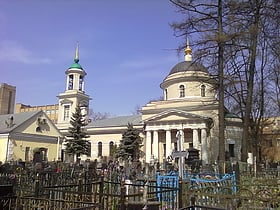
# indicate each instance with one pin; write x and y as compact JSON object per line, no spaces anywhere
{"x":70,"y":82}
{"x":182,"y":91}
{"x":231,"y":150}
{"x":81,"y":81}
{"x":66,"y":112}
{"x":111,"y":148}
{"x":27,"y":153}
{"x":38,"y":129}
{"x":165,"y":94}
{"x":89,"y":149}
{"x":99,"y":149}
{"x":202,"y":89}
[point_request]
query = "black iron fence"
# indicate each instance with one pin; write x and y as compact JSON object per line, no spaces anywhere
{"x":84,"y":189}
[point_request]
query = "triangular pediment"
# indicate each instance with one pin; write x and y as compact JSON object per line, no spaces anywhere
{"x":175,"y":115}
{"x":38,"y":124}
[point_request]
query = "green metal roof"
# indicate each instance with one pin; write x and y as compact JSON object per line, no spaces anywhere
{"x":76,"y":65}
{"x":231,"y":115}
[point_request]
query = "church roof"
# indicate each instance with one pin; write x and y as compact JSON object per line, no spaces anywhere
{"x":231,"y":115}
{"x":76,"y":65}
{"x":18,"y":119}
{"x":116,"y":121}
{"x":188,"y":66}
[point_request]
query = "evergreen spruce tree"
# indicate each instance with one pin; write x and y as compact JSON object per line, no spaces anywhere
{"x":130,"y":144}
{"x":76,"y":143}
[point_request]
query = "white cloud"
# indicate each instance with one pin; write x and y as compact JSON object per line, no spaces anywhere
{"x":14,"y":52}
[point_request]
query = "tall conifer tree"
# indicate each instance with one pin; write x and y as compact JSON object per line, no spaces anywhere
{"x":76,"y":143}
{"x":130,"y":144}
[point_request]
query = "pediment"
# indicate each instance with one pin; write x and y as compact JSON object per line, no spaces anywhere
{"x":38,"y":124}
{"x":175,"y":115}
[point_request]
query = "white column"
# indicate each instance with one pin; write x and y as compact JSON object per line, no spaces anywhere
{"x":155,"y":144}
{"x":168,"y":143}
{"x":204,"y":152}
{"x":67,"y":82}
{"x":195,"y":139}
{"x":148,"y":146}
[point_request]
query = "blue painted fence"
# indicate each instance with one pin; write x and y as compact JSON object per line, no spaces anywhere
{"x":168,"y":185}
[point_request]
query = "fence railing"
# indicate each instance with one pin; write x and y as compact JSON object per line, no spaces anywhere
{"x":81,"y":189}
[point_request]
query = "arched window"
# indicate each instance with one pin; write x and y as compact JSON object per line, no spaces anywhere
{"x":202,"y":90}
{"x":89,"y":149}
{"x":81,"y":83}
{"x":182,"y":91}
{"x":99,"y":149}
{"x":111,"y":148}
{"x":165,"y":91}
{"x":38,"y":129}
{"x":70,"y":82}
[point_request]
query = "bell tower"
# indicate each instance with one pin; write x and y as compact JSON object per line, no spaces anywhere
{"x":74,"y":94}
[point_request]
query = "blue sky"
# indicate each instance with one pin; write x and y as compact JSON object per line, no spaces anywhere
{"x":126,"y":47}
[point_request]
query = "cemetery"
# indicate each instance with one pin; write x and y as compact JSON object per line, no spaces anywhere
{"x":110,"y":186}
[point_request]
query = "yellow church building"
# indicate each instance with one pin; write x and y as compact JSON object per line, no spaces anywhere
{"x":189,"y":108}
{"x":23,"y":134}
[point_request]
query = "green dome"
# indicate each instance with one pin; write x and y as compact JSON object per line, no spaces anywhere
{"x":75,"y":65}
{"x":231,"y":115}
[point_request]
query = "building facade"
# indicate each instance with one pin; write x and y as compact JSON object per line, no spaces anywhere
{"x":186,"y":118}
{"x":7,"y":98}
{"x":24,"y":134}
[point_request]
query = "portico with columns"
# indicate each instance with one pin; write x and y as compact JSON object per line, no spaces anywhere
{"x":161,"y":134}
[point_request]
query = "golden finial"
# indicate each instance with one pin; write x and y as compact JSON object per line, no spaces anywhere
{"x":77,"y":53}
{"x":188,"y":52}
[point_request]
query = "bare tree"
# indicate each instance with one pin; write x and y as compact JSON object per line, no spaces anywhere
{"x":206,"y":21}
{"x":98,"y":115}
{"x":236,"y":36}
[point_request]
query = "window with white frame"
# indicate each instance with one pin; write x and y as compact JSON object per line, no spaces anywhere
{"x":202,"y":90}
{"x":66,"y":114}
{"x":182,"y":91}
{"x":70,"y":82}
{"x":81,"y":83}
{"x":89,"y":149}
{"x":111,"y":148}
{"x":99,"y":149}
